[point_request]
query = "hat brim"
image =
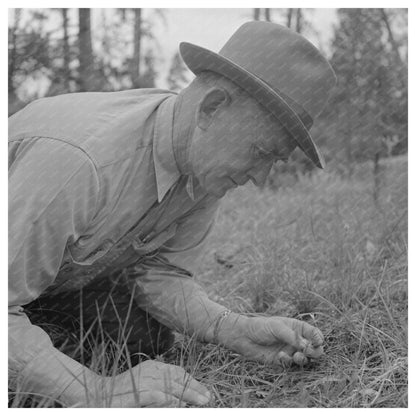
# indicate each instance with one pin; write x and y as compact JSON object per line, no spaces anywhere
{"x":199,"y":59}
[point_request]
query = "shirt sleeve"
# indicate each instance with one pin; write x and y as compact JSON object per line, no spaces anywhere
{"x":164,"y":284}
{"x":53,"y":193}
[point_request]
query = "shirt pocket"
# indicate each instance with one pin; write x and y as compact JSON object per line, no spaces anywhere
{"x":153,"y":241}
{"x":87,"y":251}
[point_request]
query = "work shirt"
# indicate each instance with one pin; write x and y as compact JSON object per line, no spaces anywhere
{"x":85,"y":171}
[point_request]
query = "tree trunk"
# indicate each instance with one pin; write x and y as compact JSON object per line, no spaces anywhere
{"x":135,"y":62}
{"x":348,"y":120}
{"x":376,"y":174}
{"x":12,"y":55}
{"x":289,"y":18}
{"x":66,"y":53}
{"x":256,"y":14}
{"x":86,"y":60}
{"x":267,"y":15}
{"x":299,"y":20}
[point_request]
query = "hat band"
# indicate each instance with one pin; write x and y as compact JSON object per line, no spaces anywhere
{"x":306,"y":119}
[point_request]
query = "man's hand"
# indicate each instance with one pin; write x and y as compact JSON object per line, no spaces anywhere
{"x":272,"y":340}
{"x":155,"y":384}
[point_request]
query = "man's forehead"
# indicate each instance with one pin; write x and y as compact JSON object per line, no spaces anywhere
{"x":258,"y":112}
{"x":244,"y":99}
{"x":268,"y":130}
{"x":275,"y":138}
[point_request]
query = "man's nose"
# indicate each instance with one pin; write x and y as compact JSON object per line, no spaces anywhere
{"x":259,"y":175}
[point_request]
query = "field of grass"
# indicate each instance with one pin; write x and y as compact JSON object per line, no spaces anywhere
{"x":324,"y":250}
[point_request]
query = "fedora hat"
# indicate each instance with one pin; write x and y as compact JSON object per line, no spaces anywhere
{"x":277,"y":67}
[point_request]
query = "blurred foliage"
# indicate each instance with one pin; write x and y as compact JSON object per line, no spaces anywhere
{"x":55,"y":51}
{"x":371,"y":97}
{"x":366,"y":117}
{"x":177,"y":77}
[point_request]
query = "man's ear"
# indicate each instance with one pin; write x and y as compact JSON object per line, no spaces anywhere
{"x":213,"y":100}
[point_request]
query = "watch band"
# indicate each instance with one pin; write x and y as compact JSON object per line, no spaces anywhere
{"x":218,"y":323}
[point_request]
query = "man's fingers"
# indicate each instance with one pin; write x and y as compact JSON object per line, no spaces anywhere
{"x":159,"y":399}
{"x":306,"y":347}
{"x":189,"y":382}
{"x":312,"y":334}
{"x":176,"y":403}
{"x":283,"y":332}
{"x":284,"y":359}
{"x":298,"y":335}
{"x":300,"y":358}
{"x":173,"y":402}
{"x":187,"y":388}
{"x":183,"y":386}
{"x":189,"y":394}
{"x":311,"y":341}
{"x":314,"y":352}
{"x":180,"y":376}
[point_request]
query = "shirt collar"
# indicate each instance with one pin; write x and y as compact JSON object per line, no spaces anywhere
{"x":166,"y":168}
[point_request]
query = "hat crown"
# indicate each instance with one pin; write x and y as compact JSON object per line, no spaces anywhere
{"x":285,"y":60}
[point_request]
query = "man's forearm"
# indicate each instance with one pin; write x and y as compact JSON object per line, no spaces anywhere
{"x":181,"y":304}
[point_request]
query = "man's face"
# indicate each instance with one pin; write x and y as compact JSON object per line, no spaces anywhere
{"x":240,"y":144}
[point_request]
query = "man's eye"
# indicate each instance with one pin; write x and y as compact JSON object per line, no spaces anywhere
{"x":262,"y":154}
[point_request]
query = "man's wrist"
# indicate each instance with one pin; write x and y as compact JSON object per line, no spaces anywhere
{"x":55,"y":375}
{"x":229,"y":329}
{"x":218,"y":322}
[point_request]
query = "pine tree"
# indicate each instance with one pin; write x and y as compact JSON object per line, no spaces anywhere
{"x":86,"y":76}
{"x":178,"y":73}
{"x":367,"y":90}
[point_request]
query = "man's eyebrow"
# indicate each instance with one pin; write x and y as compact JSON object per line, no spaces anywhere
{"x":271,"y":149}
{"x":266,"y":148}
{"x":267,"y":152}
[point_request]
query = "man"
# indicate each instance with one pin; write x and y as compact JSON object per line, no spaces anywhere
{"x":115,"y":193}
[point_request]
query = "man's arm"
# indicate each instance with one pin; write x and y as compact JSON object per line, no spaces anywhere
{"x":164,"y":284}
{"x":169,"y":293}
{"x":53,"y":190}
{"x":175,"y":299}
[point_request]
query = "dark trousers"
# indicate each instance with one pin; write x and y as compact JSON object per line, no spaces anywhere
{"x":100,"y":325}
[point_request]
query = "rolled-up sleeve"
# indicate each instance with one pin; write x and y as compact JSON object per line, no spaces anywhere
{"x":164,"y":284}
{"x":53,"y":193}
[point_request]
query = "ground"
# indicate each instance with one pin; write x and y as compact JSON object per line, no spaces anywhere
{"x":328,"y":250}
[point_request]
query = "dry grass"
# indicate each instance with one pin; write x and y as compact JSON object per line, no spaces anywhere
{"x":324,"y":251}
